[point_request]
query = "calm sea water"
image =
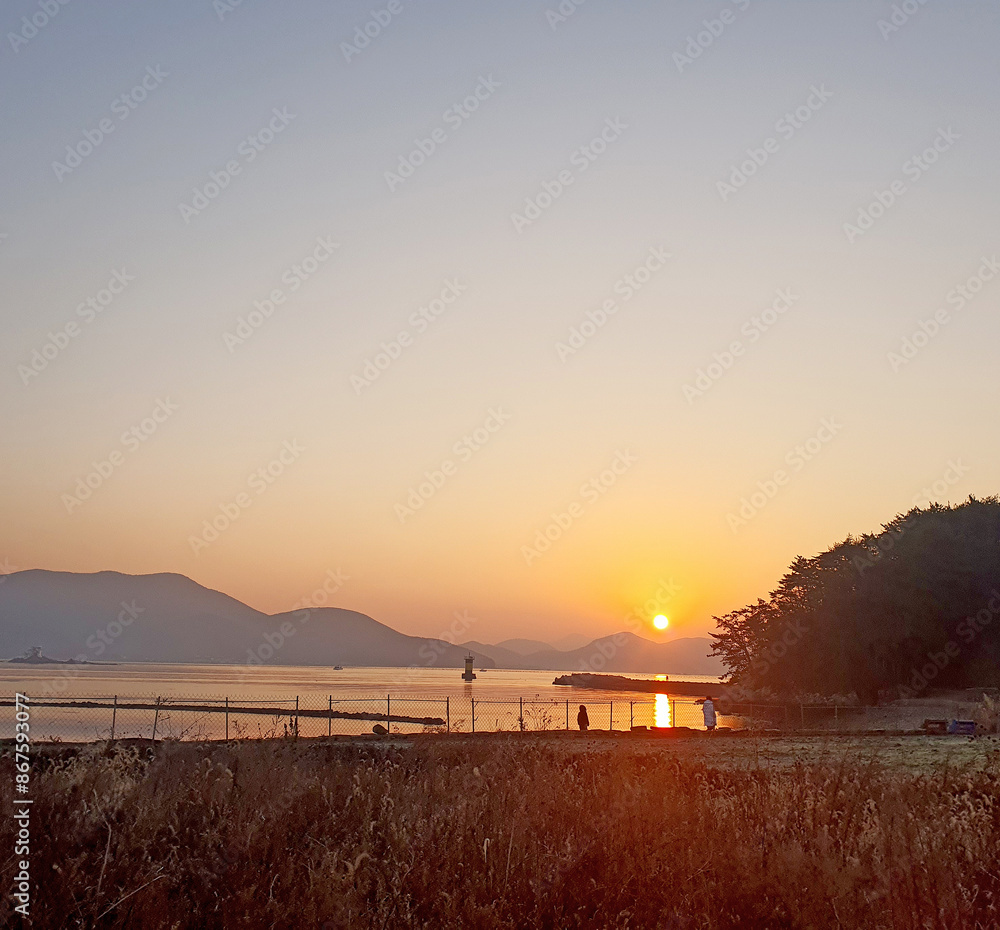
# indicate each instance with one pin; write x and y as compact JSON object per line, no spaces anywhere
{"x":242,"y":681}
{"x":423,"y":692}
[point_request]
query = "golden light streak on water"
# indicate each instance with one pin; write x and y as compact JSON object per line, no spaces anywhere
{"x":661,"y":711}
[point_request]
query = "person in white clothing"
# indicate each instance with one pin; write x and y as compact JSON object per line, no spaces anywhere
{"x":708,"y":710}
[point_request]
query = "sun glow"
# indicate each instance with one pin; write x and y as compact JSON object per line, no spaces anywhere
{"x":660,"y":622}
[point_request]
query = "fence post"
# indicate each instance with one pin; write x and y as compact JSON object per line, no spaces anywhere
{"x":156,"y":717}
{"x":329,"y":718}
{"x":227,"y":719}
{"x":447,"y":712}
{"x":520,"y":719}
{"x":673,"y":712}
{"x":611,"y":715}
{"x":567,"y":714}
{"x":473,"y":715}
{"x":296,"y":715}
{"x":114,"y":715}
{"x":631,"y":717}
{"x":388,"y":712}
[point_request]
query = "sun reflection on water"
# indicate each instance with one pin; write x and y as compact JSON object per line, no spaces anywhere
{"x":661,"y":711}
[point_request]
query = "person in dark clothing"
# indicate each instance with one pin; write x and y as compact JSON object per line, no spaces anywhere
{"x":582,"y":719}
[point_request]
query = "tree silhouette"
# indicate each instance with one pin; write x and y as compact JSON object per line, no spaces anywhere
{"x":914,"y":605}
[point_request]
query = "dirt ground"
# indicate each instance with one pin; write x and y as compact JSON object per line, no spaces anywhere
{"x":907,"y":714}
{"x":740,"y":750}
{"x":918,"y":754}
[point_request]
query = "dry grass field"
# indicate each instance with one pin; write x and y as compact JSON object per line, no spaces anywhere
{"x":502,"y":832}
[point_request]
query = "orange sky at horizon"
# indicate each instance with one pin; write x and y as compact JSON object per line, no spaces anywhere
{"x":590,"y":586}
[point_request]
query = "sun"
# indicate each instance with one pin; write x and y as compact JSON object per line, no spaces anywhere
{"x":660,"y":622}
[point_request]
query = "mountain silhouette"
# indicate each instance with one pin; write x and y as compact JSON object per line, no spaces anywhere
{"x":622,"y":652}
{"x":113,"y":617}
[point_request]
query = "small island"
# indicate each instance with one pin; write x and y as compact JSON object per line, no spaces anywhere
{"x":34,"y":656}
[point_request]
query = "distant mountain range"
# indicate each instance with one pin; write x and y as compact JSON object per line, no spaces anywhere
{"x":111,"y":617}
{"x":623,"y":652}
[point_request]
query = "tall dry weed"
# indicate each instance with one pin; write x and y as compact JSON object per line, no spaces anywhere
{"x":500,"y":834}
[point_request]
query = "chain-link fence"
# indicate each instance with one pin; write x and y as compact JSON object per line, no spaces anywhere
{"x":88,"y":719}
{"x":192,"y":718}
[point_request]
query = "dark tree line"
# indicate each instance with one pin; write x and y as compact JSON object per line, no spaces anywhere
{"x":915,"y":605}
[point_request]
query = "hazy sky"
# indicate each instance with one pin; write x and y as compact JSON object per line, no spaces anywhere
{"x":593,"y":276}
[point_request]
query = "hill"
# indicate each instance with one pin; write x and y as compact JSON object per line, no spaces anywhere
{"x":524,"y":647}
{"x":109,"y":616}
{"x":112,"y":617}
{"x":622,"y":652}
{"x":504,"y":658}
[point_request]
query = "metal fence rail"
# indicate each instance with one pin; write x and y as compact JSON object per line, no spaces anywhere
{"x":94,"y":718}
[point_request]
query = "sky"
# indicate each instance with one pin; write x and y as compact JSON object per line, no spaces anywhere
{"x":555,"y":316}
